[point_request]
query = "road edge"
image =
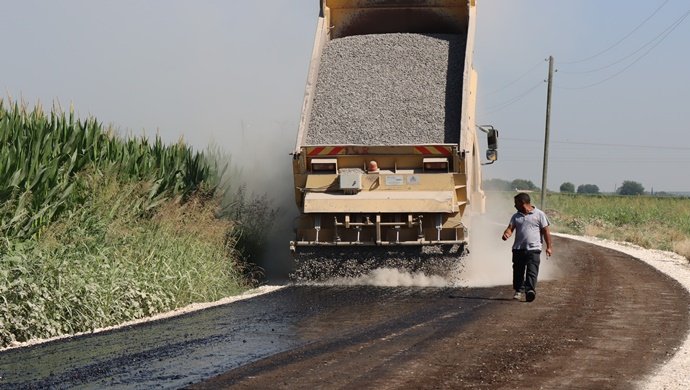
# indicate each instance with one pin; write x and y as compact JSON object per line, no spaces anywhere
{"x":673,"y":373}
{"x":173,"y":313}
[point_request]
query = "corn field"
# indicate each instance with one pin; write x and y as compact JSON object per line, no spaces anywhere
{"x":96,"y":229}
{"x":42,"y":154}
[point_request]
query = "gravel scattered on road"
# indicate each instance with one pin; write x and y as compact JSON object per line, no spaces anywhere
{"x":672,"y":375}
{"x":335,"y":264}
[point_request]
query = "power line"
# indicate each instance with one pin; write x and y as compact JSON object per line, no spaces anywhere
{"x":666,"y":31}
{"x":501,"y":106}
{"x":516,"y":80}
{"x":611,"y":161}
{"x":672,"y":28}
{"x":601,"y":144}
{"x":620,"y":40}
{"x":594,"y":161}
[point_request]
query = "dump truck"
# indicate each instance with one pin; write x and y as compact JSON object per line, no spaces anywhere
{"x":387,"y":158}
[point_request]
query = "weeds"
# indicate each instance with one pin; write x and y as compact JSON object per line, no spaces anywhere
{"x":102,"y":264}
{"x":96,"y":230}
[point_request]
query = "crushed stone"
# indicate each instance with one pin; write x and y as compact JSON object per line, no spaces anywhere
{"x":387,"y":89}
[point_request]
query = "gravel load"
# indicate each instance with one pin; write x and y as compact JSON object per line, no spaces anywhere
{"x":389,"y":89}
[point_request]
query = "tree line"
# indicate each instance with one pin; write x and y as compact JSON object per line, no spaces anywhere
{"x":629,"y":187}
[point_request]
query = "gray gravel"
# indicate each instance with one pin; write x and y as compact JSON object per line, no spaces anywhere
{"x":387,"y":89}
{"x":327,"y":262}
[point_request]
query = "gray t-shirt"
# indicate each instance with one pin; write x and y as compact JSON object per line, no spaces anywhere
{"x":528,"y":229}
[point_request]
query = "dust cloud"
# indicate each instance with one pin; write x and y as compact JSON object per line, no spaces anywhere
{"x":391,"y":277}
{"x":269,"y":174}
{"x":261,"y":162}
{"x":490,"y":260}
{"x":488,"y":264}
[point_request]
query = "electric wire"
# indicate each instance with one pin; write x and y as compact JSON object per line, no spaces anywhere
{"x":533,"y":67}
{"x":601,"y":144}
{"x":620,"y":40}
{"x":594,"y":161}
{"x":503,"y":105}
{"x":672,"y":28}
{"x":667,"y":30}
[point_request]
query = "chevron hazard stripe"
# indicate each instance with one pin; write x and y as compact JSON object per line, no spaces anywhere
{"x":433,"y":150}
{"x":325,"y":151}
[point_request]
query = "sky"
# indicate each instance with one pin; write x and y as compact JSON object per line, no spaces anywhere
{"x":233,"y":73}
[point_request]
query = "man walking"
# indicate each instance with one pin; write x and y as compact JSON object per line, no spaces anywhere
{"x":530,"y":226}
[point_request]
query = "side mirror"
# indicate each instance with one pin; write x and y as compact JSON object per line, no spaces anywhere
{"x":492,"y":143}
{"x":492,"y":139}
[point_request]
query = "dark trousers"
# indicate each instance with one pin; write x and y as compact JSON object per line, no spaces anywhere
{"x":525,"y":270}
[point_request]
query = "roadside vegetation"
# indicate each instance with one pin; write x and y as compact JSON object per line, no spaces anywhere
{"x":96,"y":229}
{"x":653,"y":222}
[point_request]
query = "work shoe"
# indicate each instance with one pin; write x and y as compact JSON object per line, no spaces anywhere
{"x":517,"y":295}
{"x":530,"y":295}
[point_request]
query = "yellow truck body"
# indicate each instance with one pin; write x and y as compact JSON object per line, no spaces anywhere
{"x":389,"y":195}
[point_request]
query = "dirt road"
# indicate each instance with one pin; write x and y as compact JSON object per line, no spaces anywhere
{"x":607,"y":324}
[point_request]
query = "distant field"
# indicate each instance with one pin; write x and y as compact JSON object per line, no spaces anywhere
{"x":651,"y":222}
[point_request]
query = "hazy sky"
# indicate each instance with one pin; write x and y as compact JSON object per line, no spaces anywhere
{"x":233,"y":72}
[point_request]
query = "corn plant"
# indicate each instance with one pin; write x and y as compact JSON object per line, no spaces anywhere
{"x":96,"y":229}
{"x":42,"y":153}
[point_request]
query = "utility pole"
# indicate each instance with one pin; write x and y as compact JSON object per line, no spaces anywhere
{"x":546,"y":135}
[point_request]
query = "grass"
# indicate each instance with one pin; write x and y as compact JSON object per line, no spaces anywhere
{"x":96,"y":230}
{"x":651,"y":222}
{"x":103,"y":264}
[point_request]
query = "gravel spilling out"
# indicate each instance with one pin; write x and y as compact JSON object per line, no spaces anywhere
{"x":387,"y":89}
{"x":320,"y":264}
